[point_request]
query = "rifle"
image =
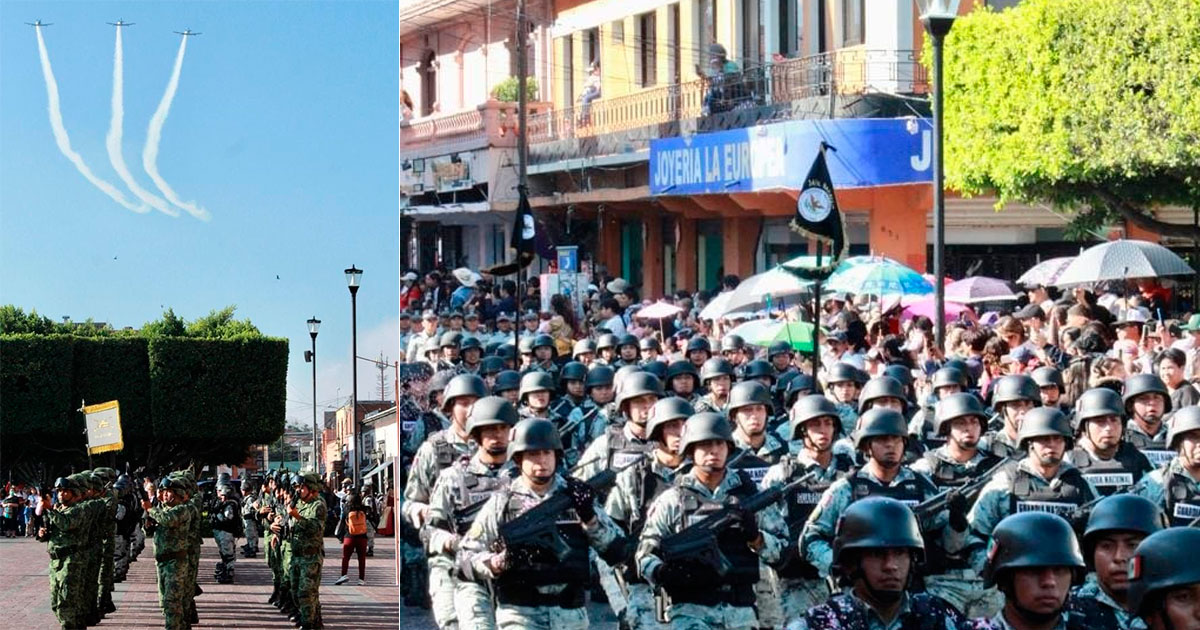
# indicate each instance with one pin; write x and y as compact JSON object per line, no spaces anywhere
{"x":698,"y":541}
{"x":942,"y":500}
{"x":1083,"y":512}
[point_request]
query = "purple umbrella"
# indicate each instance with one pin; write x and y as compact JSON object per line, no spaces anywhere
{"x":978,"y":289}
{"x":925,"y":306}
{"x":1045,"y":273}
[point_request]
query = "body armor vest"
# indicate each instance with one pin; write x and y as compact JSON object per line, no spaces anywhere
{"x":624,"y":451}
{"x":538,"y":566}
{"x":1155,"y":449}
{"x":737,"y":586}
{"x":749,"y":463}
{"x":798,"y":507}
{"x":910,"y":492}
{"x":474,"y":490}
{"x":649,"y":485}
{"x":1183,"y":499}
{"x":1112,"y":475}
{"x":1061,"y":498}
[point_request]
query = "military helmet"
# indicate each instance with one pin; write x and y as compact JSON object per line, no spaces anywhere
{"x":491,"y":365}
{"x":450,"y":339}
{"x":583,"y":346}
{"x":649,"y":343}
{"x":1139,"y":384}
{"x":638,"y":384}
{"x":224,"y":489}
{"x":698,"y":343}
{"x":525,"y":345}
{"x":1184,"y":420}
{"x":507,"y":351}
{"x":627,"y":340}
{"x":492,"y":348}
{"x":681,"y":368}
{"x":439,"y":381}
{"x":506,"y":380}
{"x":800,"y":384}
{"x":123,"y":482}
{"x":312,"y":480}
{"x":879,"y":422}
{"x":1044,"y":421}
{"x":491,"y":410}
{"x":704,"y":426}
{"x":247,"y":485}
{"x":875,"y":523}
{"x":1014,"y":387}
{"x":758,"y":369}
{"x":842,"y":373}
{"x":730,"y":343}
{"x":901,"y":373}
{"x":1048,"y":377}
{"x":572,"y":371}
{"x":598,"y":376}
{"x":469,"y":343}
{"x":105,"y":474}
{"x":1032,"y":540}
{"x":948,"y":376}
{"x":811,"y":407}
{"x":881,"y":387}
{"x":1098,"y":402}
{"x":66,"y":483}
{"x":463,"y":385}
{"x":607,"y":340}
{"x":777,"y":348}
{"x":534,"y":434}
{"x":957,"y":405}
{"x":1161,"y":564}
{"x":657,"y":368}
{"x":1121,"y":513}
{"x":536,"y":382}
{"x":748,"y":393}
{"x":714,"y":367}
{"x":666,"y":410}
{"x":543,"y":341}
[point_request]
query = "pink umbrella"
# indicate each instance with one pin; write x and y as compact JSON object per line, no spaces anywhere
{"x":658,"y":310}
{"x":925,"y":307}
{"x":930,"y":278}
{"x":979,"y":289}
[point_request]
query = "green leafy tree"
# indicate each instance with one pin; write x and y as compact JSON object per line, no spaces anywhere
{"x":1092,"y":106}
{"x":220,"y":324}
{"x":506,"y":90}
{"x":15,"y":321}
{"x":169,"y":325}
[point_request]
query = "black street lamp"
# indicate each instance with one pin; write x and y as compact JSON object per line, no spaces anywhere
{"x":353,"y":276}
{"x":310,"y":356}
{"x":938,"y":16}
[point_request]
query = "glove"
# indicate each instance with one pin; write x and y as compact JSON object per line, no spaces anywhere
{"x":670,"y":574}
{"x":748,"y":523}
{"x":583,"y":499}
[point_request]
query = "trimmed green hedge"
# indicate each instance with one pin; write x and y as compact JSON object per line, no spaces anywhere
{"x":35,"y":384}
{"x":115,"y":368}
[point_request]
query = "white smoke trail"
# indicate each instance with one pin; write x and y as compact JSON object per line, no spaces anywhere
{"x":154,"y":137}
{"x":64,"y":141}
{"x":116,"y":129}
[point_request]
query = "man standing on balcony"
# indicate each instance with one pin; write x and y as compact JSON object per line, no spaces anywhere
{"x":591,"y":92}
{"x":724,"y":90}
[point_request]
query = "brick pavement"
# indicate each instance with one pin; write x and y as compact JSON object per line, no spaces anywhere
{"x":25,"y":585}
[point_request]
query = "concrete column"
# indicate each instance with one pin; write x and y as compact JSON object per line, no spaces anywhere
{"x":610,"y":243}
{"x":652,"y":256}
{"x":740,"y":241}
{"x":687,"y":257}
{"x":898,"y":219}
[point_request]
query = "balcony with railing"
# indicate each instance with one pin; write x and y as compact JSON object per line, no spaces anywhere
{"x":492,"y":124}
{"x":835,"y":84}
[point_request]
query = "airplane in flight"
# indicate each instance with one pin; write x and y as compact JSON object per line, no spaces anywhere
{"x":39,"y":23}
{"x":120,"y":23}
{"x":186,"y":32}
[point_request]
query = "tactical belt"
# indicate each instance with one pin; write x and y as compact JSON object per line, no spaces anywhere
{"x":61,"y":553}
{"x":164,"y":557}
{"x":734,"y":595}
{"x":570,"y":597}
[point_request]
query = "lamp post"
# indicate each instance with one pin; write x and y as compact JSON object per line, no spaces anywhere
{"x":310,"y":356}
{"x":937,"y":16}
{"x":353,"y":276}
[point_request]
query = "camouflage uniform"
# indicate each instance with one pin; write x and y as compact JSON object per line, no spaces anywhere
{"x":667,"y":516}
{"x":308,"y":554}
{"x":66,"y":529}
{"x":250,"y":524}
{"x":225,"y":533}
{"x":1174,"y":490}
{"x":1101,"y":611}
{"x":106,"y":527}
{"x":568,"y":613}
{"x":708,"y":402}
{"x":848,"y":612}
{"x":767,"y":593}
{"x":616,"y":448}
{"x":1066,"y":621}
{"x":193,"y":589}
{"x":417,"y":427}
{"x":172,"y":548}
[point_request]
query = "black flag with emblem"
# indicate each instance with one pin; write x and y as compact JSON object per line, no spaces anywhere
{"x":817,"y":215}
{"x":524,"y":235}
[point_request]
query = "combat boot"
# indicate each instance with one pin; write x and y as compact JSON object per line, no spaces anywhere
{"x":274,"y":595}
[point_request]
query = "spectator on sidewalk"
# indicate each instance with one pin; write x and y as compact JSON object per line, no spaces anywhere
{"x":354,"y":541}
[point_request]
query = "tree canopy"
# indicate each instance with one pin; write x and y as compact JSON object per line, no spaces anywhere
{"x":1092,"y":106}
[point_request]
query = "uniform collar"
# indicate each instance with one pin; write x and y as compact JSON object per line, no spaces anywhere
{"x":1002,"y":623}
{"x":873,"y":618}
{"x":732,"y":480}
{"x":943,"y":454}
{"x":1063,"y":468}
{"x":905,"y":474}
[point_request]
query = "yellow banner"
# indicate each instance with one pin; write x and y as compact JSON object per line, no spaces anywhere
{"x":104,"y":427}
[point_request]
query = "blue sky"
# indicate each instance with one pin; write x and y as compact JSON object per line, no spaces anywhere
{"x":284,"y":128}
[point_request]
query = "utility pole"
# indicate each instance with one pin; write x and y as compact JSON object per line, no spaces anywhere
{"x":522,"y":153}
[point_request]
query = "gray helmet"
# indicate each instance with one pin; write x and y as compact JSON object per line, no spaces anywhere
{"x":572,"y":371}
{"x":491,"y":410}
{"x":777,"y":348}
{"x":627,"y":340}
{"x":875,"y":523}
{"x":450,"y":338}
{"x":598,"y":376}
{"x":1139,"y":384}
{"x":507,"y":351}
{"x":431,"y":346}
{"x":957,"y":405}
{"x":583,"y":346}
{"x":491,"y":365}
{"x":534,"y":434}
{"x":1121,"y":513}
{"x":812,"y":407}
{"x":705,"y":426}
{"x":714,"y":367}
{"x":881,"y":387}
{"x":649,"y":343}
{"x":1014,"y":387}
{"x":1031,"y":540}
{"x":247,"y":485}
{"x":1044,"y":421}
{"x":666,"y":410}
{"x":842,"y":373}
{"x":525,"y":345}
{"x":1097,"y":403}
{"x":698,"y":343}
{"x":800,"y":384}
{"x":948,"y":376}
{"x":657,"y":368}
{"x":463,"y":385}
{"x":607,"y":340}
{"x":901,"y":373}
{"x":1184,"y":420}
{"x":879,"y":422}
{"x":471,"y":343}
{"x":638,"y":384}
{"x":758,"y":369}
{"x":1157,"y":565}
{"x":536,"y":382}
{"x":681,"y":368}
{"x":1048,"y":377}
{"x":122,"y":483}
{"x":747,"y":393}
{"x":506,"y":380}
{"x":543,"y":341}
{"x":730,"y":343}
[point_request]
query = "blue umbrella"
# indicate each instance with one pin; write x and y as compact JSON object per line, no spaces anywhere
{"x":880,"y":277}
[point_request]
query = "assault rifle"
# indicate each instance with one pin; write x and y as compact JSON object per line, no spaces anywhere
{"x":698,"y":541}
{"x":941,"y":501}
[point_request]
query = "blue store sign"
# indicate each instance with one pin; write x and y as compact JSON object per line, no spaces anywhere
{"x":870,"y":152}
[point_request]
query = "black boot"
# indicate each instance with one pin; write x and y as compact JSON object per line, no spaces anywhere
{"x":274,"y":595}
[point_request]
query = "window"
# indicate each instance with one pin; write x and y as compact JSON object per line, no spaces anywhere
{"x":647,"y":59}
{"x":673,"y":46}
{"x":428,"y":71}
{"x":853,"y":31}
{"x":706,"y":29}
{"x":788,"y":28}
{"x":591,"y":46}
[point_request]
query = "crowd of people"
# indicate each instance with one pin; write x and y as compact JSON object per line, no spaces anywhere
{"x":1033,"y":472}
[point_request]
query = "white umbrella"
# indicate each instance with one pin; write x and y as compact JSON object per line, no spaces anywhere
{"x":716,"y":307}
{"x":1123,"y":259}
{"x":658,"y":310}
{"x":776,"y":283}
{"x":752,"y":329}
{"x":1045,"y":273}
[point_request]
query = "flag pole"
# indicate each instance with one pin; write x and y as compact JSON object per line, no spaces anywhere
{"x":522,"y":159}
{"x":816,"y":350}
